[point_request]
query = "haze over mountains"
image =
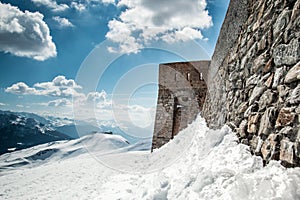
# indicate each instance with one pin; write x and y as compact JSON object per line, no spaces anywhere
{"x":20,"y":130}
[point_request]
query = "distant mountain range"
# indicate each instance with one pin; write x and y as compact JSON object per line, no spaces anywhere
{"x":18,"y":132}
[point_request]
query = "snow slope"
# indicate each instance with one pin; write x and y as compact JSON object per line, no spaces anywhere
{"x":198,"y":164}
{"x":99,"y":143}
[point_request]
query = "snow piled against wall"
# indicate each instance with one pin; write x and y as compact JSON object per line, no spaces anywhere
{"x":215,"y":166}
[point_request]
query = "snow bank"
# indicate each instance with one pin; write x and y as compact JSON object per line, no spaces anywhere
{"x":212,"y":166}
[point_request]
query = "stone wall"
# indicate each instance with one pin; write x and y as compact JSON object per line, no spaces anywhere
{"x":256,"y":85}
{"x":236,"y":16}
{"x":182,"y":91}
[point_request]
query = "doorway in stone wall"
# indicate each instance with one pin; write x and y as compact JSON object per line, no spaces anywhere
{"x":176,"y":117}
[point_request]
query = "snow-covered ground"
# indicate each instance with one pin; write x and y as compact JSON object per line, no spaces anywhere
{"x":198,"y":164}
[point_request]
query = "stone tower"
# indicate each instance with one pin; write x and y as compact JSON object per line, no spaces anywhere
{"x":182,"y":92}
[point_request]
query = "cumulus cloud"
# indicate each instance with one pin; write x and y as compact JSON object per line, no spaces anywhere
{"x":25,"y":34}
{"x":96,"y":96}
{"x":52,"y":4}
{"x":78,"y":6}
{"x":21,"y":88}
{"x":59,"y":103}
{"x":62,"y":22}
{"x":166,"y":20}
{"x":58,"y":87}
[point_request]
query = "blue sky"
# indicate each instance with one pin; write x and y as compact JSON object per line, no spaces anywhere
{"x":46,"y":45}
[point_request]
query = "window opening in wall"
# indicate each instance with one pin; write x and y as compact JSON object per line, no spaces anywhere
{"x":201,"y":76}
{"x":188,"y":76}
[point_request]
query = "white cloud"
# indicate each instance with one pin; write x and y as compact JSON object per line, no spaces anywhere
{"x":185,"y":34}
{"x":3,"y":104}
{"x":59,"y":103}
{"x":141,"y":116}
{"x":108,"y":1}
{"x":146,"y":21}
{"x":78,"y":6}
{"x":83,"y":5}
{"x":21,"y":88}
{"x":58,"y":87}
{"x":62,"y":22}
{"x":19,"y":106}
{"x":96,"y":96}
{"x":52,"y":4}
{"x":25,"y":34}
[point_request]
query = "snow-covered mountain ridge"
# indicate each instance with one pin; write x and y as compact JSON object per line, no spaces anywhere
{"x":19,"y":130}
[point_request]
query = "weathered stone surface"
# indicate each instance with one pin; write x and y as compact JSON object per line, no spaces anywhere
{"x":277,"y":77}
{"x":281,"y":22}
{"x":248,"y":111}
{"x":259,"y":62}
{"x":237,"y":12}
{"x":262,"y":44}
{"x":287,"y":54}
{"x":297,"y":144}
{"x":294,"y":97}
{"x":266,"y":126}
{"x":287,"y":151}
{"x":265,"y":100}
{"x":286,"y":117}
{"x":242,"y":107}
{"x":293,"y":74}
{"x":253,"y":80}
{"x":252,"y":123}
{"x":268,"y":149}
{"x":256,"y":144}
{"x":286,"y":131}
{"x":257,"y":92}
{"x":242,"y":128}
{"x":268,"y":66}
{"x":269,"y":81}
{"x":282,"y":90}
{"x":297,"y":110}
{"x":296,"y":10}
{"x":261,"y":77}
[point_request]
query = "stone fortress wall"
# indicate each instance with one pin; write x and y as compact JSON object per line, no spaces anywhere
{"x":253,"y":81}
{"x":258,"y":81}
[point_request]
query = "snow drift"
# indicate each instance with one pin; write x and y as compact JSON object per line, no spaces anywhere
{"x":211,"y":165}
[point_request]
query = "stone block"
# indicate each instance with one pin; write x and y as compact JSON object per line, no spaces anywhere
{"x":281,"y":22}
{"x":287,"y":54}
{"x":277,"y":77}
{"x":256,"y":93}
{"x":269,"y":81}
{"x":242,"y":129}
{"x":259,"y":62}
{"x":266,"y":126}
{"x":268,"y":149}
{"x":294,"y":96}
{"x":285,"y":117}
{"x":287,"y":151}
{"x":266,"y":100}
{"x":253,"y":123}
{"x":293,"y":74}
{"x":268,"y":66}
